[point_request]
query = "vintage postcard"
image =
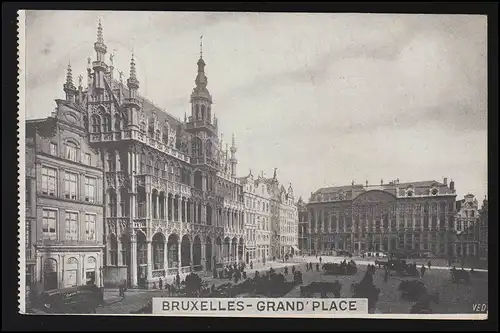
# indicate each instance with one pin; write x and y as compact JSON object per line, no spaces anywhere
{"x":253,"y":164}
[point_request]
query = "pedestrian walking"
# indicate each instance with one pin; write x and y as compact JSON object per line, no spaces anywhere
{"x":422,"y":271}
{"x":317,"y":267}
{"x":160,"y":284}
{"x":178,"y":280}
{"x":429,"y":264}
{"x":286,"y":270}
{"x":320,"y":259}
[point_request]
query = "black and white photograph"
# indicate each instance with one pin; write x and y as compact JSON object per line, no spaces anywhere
{"x":253,"y":164}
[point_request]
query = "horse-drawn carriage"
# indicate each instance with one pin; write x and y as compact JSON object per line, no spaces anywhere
{"x":324,"y":288}
{"x":340,"y":269}
{"x":460,"y":275}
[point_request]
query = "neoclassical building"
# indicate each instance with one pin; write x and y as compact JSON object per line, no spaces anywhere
{"x":394,"y":216}
{"x":167,"y":199}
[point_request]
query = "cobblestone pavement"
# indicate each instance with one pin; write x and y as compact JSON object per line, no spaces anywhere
{"x":453,"y":298}
{"x":136,"y":299}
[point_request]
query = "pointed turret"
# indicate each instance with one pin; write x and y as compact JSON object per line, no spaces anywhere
{"x":100,"y":49}
{"x":132,"y":82}
{"x":69,"y":87}
{"x":233,"y":160}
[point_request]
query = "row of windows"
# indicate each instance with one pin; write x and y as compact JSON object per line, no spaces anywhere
{"x":71,"y":185}
{"x":72,"y":225}
{"x":255,"y":204}
{"x":106,"y":123}
{"x":71,"y":152}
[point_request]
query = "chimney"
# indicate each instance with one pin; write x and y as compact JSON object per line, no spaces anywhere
{"x":352,"y":183}
{"x":397,"y":180}
{"x":367,"y":183}
{"x":381,"y":182}
{"x":452,"y":185}
{"x":445,"y":181}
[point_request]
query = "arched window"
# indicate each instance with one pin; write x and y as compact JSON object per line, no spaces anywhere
{"x":178,"y":174}
{"x":112,"y":203}
{"x":106,"y":123}
{"x":124,"y":120}
{"x":150,"y":165}
{"x":96,"y":123}
{"x":142,"y":164}
{"x":113,"y":247}
{"x":72,"y":151}
{"x":158,"y":135}
{"x":157,"y":169}
{"x":165,"y":135}
{"x":196,"y":147}
{"x":197,"y":111}
{"x":208,"y":148}
{"x":117,"y":123}
{"x":203,"y":110}
{"x":124,"y":202}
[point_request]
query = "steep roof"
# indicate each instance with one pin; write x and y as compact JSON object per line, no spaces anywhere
{"x":149,"y":108}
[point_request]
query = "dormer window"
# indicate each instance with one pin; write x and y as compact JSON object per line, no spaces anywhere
{"x":409,"y":193}
{"x":434,"y":191}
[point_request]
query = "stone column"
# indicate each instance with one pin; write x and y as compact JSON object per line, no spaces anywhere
{"x":133,"y":260}
{"x":204,"y":214}
{"x":157,"y":208}
{"x":165,"y":256}
{"x":203,"y":259}
{"x":191,"y":250}
{"x":149,"y":275}
{"x":179,"y":256}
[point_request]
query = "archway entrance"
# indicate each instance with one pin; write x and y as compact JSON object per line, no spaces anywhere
{"x":197,"y":253}
{"x":240,"y":249}
{"x":50,"y":274}
{"x":185,"y":251}
{"x":173,"y":251}
{"x":142,"y":257}
{"x":208,"y":254}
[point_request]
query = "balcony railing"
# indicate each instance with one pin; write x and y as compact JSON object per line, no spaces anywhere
{"x":158,"y":273}
{"x":67,"y":242}
{"x":171,"y":271}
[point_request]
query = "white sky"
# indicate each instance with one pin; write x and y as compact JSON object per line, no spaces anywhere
{"x":325,"y":98}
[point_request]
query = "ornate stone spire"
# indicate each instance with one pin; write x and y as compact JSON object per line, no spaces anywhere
{"x":132,"y":82}
{"x":100,"y":38}
{"x":69,"y":76}
{"x":69,"y":87}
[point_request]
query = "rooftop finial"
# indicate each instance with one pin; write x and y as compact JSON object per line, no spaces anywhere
{"x":201,"y":47}
{"x":132,"y":67}
{"x":80,"y":80}
{"x":121,"y":76}
{"x":100,"y":38}
{"x":234,"y":140}
{"x":69,"y":76}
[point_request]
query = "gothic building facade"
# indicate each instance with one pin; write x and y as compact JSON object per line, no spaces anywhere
{"x":303,"y":236}
{"x":163,"y":192}
{"x":414,"y":217}
{"x":467,"y":226}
